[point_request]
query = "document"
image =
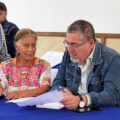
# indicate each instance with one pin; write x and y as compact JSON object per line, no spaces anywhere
{"x":19,"y":100}
{"x":49,"y":97}
{"x":54,"y":105}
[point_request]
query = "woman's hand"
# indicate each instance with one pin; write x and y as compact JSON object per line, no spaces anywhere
{"x":27,"y":93}
{"x":1,"y":91}
{"x":14,"y":95}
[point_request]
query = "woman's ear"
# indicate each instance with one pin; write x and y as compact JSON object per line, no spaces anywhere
{"x":16,"y":46}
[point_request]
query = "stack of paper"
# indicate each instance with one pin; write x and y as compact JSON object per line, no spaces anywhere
{"x":54,"y":105}
{"x":47,"y":100}
{"x":19,"y":100}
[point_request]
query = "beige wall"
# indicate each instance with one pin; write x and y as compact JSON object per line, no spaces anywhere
{"x":45,"y":44}
{"x":48,"y":43}
{"x":114,"y":43}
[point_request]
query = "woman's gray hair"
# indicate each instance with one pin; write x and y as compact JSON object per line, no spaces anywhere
{"x":22,"y":33}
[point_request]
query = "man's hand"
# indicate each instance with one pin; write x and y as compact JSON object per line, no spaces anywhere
{"x":70,"y":101}
{"x":14,"y":95}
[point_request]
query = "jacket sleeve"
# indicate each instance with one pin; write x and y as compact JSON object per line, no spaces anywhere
{"x":110,"y":95}
{"x":10,"y":41}
{"x":59,"y":82}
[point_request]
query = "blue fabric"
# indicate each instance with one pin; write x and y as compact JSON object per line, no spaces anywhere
{"x":10,"y":30}
{"x":103,"y":82}
{"x":10,"y":111}
{"x":56,"y":66}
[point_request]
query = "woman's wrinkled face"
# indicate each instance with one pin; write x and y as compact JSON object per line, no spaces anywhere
{"x":27,"y":48}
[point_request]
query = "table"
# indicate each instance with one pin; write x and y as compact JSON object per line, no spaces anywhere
{"x":10,"y":111}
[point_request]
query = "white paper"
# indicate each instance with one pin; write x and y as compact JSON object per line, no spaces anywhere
{"x":49,"y":97}
{"x":54,"y":105}
{"x":54,"y":58}
{"x":20,"y":100}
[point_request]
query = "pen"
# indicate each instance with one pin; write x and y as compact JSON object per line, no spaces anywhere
{"x":64,"y":92}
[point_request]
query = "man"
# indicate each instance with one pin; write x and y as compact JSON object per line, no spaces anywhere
{"x":9,"y":28}
{"x":90,"y":71}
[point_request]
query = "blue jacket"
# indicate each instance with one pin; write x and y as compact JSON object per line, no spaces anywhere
{"x":103,"y":81}
{"x":10,"y":30}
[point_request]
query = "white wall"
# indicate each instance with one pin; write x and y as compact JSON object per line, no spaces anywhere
{"x":56,"y":15}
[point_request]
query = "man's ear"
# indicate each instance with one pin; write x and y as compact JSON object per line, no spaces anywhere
{"x":5,"y":13}
{"x":91,"y":43}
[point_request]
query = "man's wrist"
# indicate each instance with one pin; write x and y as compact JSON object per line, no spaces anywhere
{"x":81,"y":103}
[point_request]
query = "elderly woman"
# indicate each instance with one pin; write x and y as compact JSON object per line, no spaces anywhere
{"x":24,"y":75}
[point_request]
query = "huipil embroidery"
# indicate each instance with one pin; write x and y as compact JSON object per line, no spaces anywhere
{"x":26,"y":77}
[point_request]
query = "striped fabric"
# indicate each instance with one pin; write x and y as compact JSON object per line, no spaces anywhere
{"x":3,"y":48}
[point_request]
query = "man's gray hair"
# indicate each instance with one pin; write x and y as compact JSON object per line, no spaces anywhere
{"x":82,"y":27}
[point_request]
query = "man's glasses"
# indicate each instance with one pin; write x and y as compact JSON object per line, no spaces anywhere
{"x":73,"y":45}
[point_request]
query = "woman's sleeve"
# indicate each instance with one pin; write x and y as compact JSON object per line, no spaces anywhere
{"x":3,"y":79}
{"x":45,"y":77}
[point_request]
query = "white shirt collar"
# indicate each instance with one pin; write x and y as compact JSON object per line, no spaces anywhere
{"x":90,"y":57}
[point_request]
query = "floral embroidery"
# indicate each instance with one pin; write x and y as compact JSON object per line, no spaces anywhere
{"x":11,"y":82}
{"x":27,"y":75}
{"x":46,"y":80}
{"x":0,"y":82}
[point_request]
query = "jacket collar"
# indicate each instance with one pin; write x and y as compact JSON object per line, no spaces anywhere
{"x":97,"y":57}
{"x":73,"y":64}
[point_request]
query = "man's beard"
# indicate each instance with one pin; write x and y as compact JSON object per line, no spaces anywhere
{"x":74,"y":60}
